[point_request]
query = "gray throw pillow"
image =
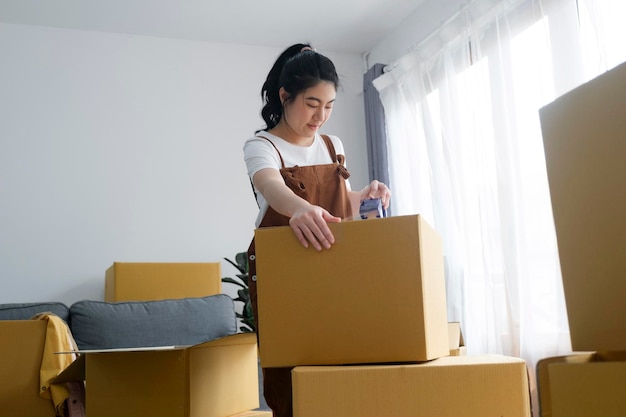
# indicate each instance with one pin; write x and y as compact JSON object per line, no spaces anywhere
{"x":26,"y":311}
{"x":186,"y":321}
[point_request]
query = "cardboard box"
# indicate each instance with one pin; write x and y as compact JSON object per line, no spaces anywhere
{"x":146,"y":281}
{"x":455,"y":338}
{"x":21,"y":350}
{"x":254,"y":413}
{"x":582,"y":385}
{"x":213,"y":379}
{"x":453,"y":386}
{"x":583,"y":133}
{"x":378,"y":295}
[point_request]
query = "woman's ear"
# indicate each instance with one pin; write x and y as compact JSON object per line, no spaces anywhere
{"x":283,"y":95}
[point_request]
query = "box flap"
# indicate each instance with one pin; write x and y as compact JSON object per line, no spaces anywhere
{"x":543,"y":378}
{"x":593,"y":388}
{"x":74,"y":372}
{"x":584,"y":148}
{"x":130,"y":349}
{"x":235,"y":339}
{"x":254,"y":413}
{"x":21,"y":349}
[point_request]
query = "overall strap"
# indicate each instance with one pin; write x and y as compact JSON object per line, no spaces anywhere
{"x":331,"y":147}
{"x":337,"y":159}
{"x":282,"y":163}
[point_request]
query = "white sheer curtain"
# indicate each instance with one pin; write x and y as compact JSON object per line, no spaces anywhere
{"x":465,"y":150}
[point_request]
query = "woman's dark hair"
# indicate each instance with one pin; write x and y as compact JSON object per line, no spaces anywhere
{"x":296,"y":69}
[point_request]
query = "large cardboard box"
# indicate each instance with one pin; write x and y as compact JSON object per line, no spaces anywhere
{"x":146,"y":281}
{"x":582,"y":385}
{"x":468,"y":386}
{"x":584,"y":135}
{"x":21,"y":350}
{"x":378,"y":295}
{"x":213,"y":379}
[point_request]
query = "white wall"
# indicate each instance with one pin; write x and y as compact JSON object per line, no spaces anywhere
{"x":128,"y":148}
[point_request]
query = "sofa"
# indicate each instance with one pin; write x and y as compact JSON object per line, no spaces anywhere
{"x":99,"y":325}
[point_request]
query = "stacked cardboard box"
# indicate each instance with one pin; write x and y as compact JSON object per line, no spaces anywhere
{"x":346,"y":317}
{"x":455,"y":340}
{"x":584,"y":140}
{"x":217,"y":378}
{"x":377,"y":296}
{"x":142,"y":281}
{"x":471,"y":386}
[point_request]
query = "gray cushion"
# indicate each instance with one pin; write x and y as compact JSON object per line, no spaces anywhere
{"x":25,"y":311}
{"x":187,"y":321}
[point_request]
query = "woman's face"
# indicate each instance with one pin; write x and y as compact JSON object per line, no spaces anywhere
{"x":309,"y":110}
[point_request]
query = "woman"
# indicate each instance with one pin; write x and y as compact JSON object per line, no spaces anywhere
{"x":298,"y":175}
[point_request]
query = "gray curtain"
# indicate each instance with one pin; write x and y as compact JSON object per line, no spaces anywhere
{"x":375,"y":128}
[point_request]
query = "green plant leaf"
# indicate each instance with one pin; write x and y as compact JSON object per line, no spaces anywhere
{"x":232,"y":281}
{"x":245,"y":329}
{"x":244,"y":294}
{"x":243,"y":271}
{"x":242,"y":261}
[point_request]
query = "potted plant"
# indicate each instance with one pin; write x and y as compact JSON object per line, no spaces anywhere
{"x":246,"y":316}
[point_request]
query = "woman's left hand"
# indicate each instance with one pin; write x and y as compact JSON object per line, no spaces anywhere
{"x":377,"y":189}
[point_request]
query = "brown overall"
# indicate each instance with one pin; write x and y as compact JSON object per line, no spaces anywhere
{"x":321,"y":185}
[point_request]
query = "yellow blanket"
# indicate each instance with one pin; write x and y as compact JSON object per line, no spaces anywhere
{"x":58,"y":339}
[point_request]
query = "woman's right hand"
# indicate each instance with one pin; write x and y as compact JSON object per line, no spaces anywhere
{"x":310,"y":225}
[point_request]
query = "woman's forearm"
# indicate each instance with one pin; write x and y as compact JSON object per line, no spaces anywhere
{"x":272,"y":186}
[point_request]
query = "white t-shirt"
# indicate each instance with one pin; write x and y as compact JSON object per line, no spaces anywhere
{"x":260,"y":154}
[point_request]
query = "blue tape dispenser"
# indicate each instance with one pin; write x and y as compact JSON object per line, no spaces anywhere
{"x":372,"y":208}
